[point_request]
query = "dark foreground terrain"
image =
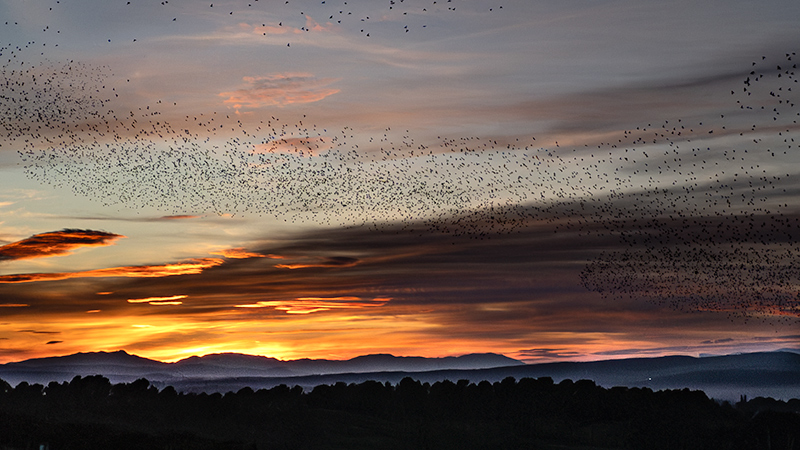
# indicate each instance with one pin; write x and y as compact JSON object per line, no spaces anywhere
{"x":91,"y":413}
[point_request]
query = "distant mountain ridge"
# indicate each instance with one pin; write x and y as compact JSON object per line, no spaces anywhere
{"x":120,"y":366}
{"x":773,"y":374}
{"x":117,"y":358}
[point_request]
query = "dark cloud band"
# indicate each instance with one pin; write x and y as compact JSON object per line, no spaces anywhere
{"x":55,"y":243}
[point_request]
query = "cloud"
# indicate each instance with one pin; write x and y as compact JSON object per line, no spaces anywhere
{"x":238,"y":253}
{"x":307,"y":305}
{"x":273,"y":29}
{"x":521,"y":290}
{"x":280,"y":90}
{"x":333,"y":261}
{"x":793,"y":337}
{"x":14,"y":305}
{"x":177,"y":217}
{"x":536,"y":354}
{"x":717,"y":341}
{"x":269,"y":30}
{"x":160,"y":301}
{"x":188,"y":267}
{"x":137,"y":219}
{"x":708,"y":347}
{"x":629,"y":352}
{"x":302,"y":146}
{"x":55,"y":243}
{"x":53,"y":342}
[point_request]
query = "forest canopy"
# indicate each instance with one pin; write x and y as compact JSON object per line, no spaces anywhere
{"x":91,"y":412}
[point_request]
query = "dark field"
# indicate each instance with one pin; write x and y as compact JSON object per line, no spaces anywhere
{"x":91,"y":413}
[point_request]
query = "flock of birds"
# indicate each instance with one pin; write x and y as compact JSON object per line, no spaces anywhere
{"x":701,"y":214}
{"x":300,"y":15}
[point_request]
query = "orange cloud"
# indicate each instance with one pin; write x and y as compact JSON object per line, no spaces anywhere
{"x":307,"y":305}
{"x":160,"y":301}
{"x":280,"y":90}
{"x":266,"y":30}
{"x":14,"y":305}
{"x":238,"y":253}
{"x":313,"y":25}
{"x":55,"y":243}
{"x":188,"y":267}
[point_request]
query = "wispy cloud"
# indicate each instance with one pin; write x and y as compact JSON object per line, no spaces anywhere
{"x":718,"y":341}
{"x":160,"y":301}
{"x":280,"y":90}
{"x":709,"y":347}
{"x":177,"y":217}
{"x":279,"y":29}
{"x":55,"y":243}
{"x":540,"y":354}
{"x":188,"y":267}
{"x":333,"y":261}
{"x":303,"y":146}
{"x":238,"y":253}
{"x":137,"y":219}
{"x":307,"y":305}
{"x":788,"y":338}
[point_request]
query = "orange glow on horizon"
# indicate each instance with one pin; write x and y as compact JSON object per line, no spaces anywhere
{"x":171,"y":338}
{"x":293,"y":329}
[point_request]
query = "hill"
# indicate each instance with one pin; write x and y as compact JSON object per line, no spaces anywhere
{"x":765,"y":374}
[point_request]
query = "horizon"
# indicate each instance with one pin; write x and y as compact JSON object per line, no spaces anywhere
{"x":262,"y":356}
{"x":327,"y":179}
{"x":529,"y":362}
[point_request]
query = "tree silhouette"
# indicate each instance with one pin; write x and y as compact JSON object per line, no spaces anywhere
{"x":91,"y":413}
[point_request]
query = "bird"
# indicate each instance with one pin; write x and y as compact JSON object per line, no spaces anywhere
{"x":700,"y":225}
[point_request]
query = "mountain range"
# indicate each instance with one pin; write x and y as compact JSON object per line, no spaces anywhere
{"x":767,"y":374}
{"x":120,"y":366}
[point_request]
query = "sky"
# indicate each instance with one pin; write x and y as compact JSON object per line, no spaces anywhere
{"x":550,"y":180}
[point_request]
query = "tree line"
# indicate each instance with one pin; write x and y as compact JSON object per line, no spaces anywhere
{"x":92,"y":413}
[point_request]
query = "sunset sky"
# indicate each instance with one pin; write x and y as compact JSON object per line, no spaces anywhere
{"x":549,"y":180}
